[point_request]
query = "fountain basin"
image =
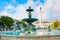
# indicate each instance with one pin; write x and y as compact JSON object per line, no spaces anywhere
{"x":37,"y":33}
{"x":46,"y":37}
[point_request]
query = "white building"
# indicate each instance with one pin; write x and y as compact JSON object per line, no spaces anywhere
{"x":42,"y":25}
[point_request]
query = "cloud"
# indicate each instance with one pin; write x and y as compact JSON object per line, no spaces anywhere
{"x":4,"y":13}
{"x":10,"y":9}
{"x":15,"y":12}
{"x":21,"y":12}
{"x":56,"y":6}
{"x":53,"y":9}
{"x":50,"y":9}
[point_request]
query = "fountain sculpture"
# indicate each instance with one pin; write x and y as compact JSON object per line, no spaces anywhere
{"x":30,"y":20}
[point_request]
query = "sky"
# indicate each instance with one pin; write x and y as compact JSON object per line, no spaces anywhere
{"x":17,"y":9}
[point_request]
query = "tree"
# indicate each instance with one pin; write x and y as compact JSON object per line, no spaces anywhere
{"x":25,"y":24}
{"x":55,"y":25}
{"x":6,"y":22}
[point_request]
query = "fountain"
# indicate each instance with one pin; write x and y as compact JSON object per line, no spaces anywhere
{"x":30,"y":20}
{"x":40,"y":35}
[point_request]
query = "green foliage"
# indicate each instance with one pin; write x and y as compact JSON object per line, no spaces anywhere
{"x":6,"y":21}
{"x":58,"y":23}
{"x":25,"y":24}
{"x":55,"y":25}
{"x":18,"y":22}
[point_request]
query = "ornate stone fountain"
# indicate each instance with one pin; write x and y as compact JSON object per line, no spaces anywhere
{"x":30,"y":20}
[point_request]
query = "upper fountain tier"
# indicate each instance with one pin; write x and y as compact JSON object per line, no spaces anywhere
{"x":30,"y":20}
{"x":29,"y":10}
